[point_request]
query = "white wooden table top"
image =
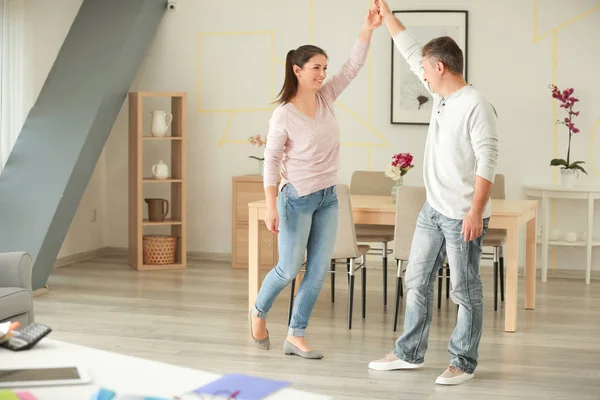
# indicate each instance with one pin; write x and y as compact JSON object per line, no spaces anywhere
{"x":120,"y":373}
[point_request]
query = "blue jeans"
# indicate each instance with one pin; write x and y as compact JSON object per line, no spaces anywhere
{"x":434,"y":237}
{"x":307,"y":225}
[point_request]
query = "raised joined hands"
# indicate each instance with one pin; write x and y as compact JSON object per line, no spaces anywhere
{"x":373,"y":19}
{"x":382,"y":8}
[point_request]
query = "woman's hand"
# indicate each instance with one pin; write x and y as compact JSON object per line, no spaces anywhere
{"x":272,"y":219}
{"x":373,"y":19}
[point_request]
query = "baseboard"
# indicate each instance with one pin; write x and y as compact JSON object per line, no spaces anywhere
{"x":116,"y":251}
{"x":79,"y":257}
{"x":41,"y":291}
{"x":123,"y":251}
{"x":208,"y":256}
{"x":374,"y":263}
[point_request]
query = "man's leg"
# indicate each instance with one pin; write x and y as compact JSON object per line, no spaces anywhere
{"x":426,"y":257}
{"x":467,"y":292}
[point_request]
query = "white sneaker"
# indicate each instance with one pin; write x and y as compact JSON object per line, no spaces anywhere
{"x":453,"y":376}
{"x":390,"y":362}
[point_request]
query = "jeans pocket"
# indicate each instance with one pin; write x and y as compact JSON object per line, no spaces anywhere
{"x":291,"y":193}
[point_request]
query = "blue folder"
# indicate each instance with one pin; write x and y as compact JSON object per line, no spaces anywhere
{"x":247,"y":387}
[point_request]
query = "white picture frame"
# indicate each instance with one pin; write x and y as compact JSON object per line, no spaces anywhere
{"x":411,"y":103}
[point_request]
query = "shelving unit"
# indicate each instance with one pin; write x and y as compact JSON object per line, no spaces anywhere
{"x":550,"y":192}
{"x":138,"y":221}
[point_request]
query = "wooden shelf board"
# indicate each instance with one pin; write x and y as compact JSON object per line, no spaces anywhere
{"x":577,"y":243}
{"x":167,"y":221}
{"x":155,"y":267}
{"x":170,"y":180}
{"x":162,"y":138}
{"x":160,"y":94}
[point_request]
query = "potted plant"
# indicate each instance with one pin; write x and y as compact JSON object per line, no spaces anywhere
{"x":258,"y":141}
{"x":569,"y":169}
{"x":399,"y":166}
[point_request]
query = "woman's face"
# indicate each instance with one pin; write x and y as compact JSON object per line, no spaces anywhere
{"x":314,"y":72}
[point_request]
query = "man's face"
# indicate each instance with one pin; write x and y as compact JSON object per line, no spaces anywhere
{"x":432,"y":73}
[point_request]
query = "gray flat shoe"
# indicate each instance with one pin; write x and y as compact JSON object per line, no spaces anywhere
{"x":265,"y":343}
{"x":290,"y":349}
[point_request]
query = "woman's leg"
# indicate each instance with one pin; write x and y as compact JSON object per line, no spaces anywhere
{"x":295,"y":220}
{"x":321,"y":243}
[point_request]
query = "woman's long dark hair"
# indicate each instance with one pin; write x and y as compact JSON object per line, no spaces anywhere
{"x":298,"y":57}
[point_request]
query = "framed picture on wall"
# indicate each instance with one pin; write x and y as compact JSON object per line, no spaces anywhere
{"x":410,"y":98}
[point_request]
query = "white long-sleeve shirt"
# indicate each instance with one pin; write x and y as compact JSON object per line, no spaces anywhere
{"x":462,"y":141}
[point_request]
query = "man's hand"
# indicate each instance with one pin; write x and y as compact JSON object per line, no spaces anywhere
{"x":392,"y":23}
{"x":472,"y":226}
{"x":383,"y":7}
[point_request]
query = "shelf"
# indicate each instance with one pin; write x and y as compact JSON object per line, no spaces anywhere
{"x":162,"y":138}
{"x":170,"y":180}
{"x":153,"y":267}
{"x":160,"y":94}
{"x":578,"y":243}
{"x":167,"y":221}
{"x":175,"y":139}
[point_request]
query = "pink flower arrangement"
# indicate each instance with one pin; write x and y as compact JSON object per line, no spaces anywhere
{"x":567,"y":101}
{"x":257,"y":141}
{"x":399,"y":166}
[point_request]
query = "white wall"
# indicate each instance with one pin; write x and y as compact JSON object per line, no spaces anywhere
{"x":48,"y":26}
{"x":234,"y":71}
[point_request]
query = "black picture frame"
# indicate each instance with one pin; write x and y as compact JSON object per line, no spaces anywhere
{"x":402,"y":109}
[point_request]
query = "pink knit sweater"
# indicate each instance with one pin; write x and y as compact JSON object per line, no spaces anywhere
{"x":307,"y":150}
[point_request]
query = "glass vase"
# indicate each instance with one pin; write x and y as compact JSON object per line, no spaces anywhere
{"x":261,"y":167}
{"x":398,"y":183}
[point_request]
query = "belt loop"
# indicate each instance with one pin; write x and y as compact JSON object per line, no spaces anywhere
{"x":324,"y":191}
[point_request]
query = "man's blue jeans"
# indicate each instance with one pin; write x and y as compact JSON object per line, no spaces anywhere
{"x":434,"y":237}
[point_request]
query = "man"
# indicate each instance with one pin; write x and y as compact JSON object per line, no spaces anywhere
{"x":461,"y":155}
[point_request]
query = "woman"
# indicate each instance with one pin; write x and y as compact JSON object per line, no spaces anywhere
{"x":303,"y":140}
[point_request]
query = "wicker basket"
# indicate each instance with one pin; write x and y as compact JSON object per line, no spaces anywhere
{"x":159,"y":249}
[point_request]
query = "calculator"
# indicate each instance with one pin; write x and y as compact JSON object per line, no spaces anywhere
{"x":27,"y":337}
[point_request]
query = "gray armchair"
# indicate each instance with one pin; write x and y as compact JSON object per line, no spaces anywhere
{"x":16,"y":296}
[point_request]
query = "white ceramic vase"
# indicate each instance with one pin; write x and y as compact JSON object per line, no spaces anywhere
{"x":161,"y":120}
{"x":568,"y":177}
{"x":571,"y":237}
{"x":554,"y":234}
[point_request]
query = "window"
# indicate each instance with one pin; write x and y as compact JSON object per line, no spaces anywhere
{"x":12,"y":74}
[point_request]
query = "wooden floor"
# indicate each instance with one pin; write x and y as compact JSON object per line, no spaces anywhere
{"x":198,"y":318}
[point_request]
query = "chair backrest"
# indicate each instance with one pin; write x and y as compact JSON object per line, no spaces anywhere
{"x":345,"y":243}
{"x":409,"y":203}
{"x":498,"y":190}
{"x":373,"y":183}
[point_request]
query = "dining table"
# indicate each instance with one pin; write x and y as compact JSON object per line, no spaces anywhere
{"x":509,"y":215}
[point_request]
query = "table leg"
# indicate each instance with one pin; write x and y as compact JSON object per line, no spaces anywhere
{"x":545,"y":235}
{"x":253,"y":254}
{"x":590,"y":239}
{"x":530,"y":268}
{"x":512,"y":275}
